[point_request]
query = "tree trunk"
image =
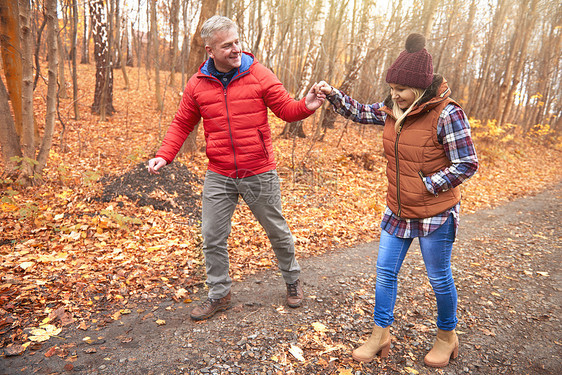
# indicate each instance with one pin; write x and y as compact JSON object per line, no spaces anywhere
{"x":328,"y":116}
{"x":185,"y":44}
{"x":227,"y":8}
{"x":9,"y":139}
{"x":456,"y":82}
{"x":444,"y":48}
{"x":103,"y":94}
{"x":74,"y":59}
{"x":520,"y":44}
{"x":493,"y":34}
{"x":260,"y":28}
{"x":174,"y":23}
{"x":197,"y":54}
{"x":52,"y":31}
{"x":107,"y":90}
{"x":156,"y":54}
{"x":38,"y":52}
{"x":28,"y":134}
{"x":61,"y":50}
{"x":295,"y":129}
{"x":85,"y":58}
{"x":115,"y":33}
{"x":428,"y":16}
{"x":123,"y":53}
{"x":548,"y":66}
{"x":367,"y":49}
{"x":11,"y":57}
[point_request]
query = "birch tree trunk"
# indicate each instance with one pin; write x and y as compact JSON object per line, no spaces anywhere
{"x":456,"y":81}
{"x":493,"y":34}
{"x":74,"y":59}
{"x":548,"y":66}
{"x":444,"y":47}
{"x":155,"y":54}
{"x":103,"y":95}
{"x":52,"y":31}
{"x":295,"y":129}
{"x":85,"y":58}
{"x":37,"y":53}
{"x":257,"y":40}
{"x":428,"y":16}
{"x":174,"y":23}
{"x":123,"y":53}
{"x":28,"y":133}
{"x":184,"y":45}
{"x":527,"y":19}
{"x":61,"y":50}
{"x":366,"y":49}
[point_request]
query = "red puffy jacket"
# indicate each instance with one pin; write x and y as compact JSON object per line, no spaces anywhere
{"x":237,"y":131}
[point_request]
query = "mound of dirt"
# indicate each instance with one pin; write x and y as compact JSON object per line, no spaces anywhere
{"x":175,"y":189}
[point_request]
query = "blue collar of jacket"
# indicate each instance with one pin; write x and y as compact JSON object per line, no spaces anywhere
{"x":247,"y":61}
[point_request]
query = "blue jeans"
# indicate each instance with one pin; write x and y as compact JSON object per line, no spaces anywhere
{"x":436,"y":250}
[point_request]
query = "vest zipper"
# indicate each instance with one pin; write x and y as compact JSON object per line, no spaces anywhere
{"x":230,"y":132}
{"x":398,"y":170}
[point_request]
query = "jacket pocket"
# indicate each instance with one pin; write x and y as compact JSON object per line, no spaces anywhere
{"x":262,"y":141}
{"x":427,"y":188}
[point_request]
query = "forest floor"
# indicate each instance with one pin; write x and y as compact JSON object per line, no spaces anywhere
{"x":100,"y":262}
{"x":506,"y":264}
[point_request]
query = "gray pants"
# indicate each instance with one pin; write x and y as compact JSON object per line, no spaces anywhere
{"x":263,"y":195}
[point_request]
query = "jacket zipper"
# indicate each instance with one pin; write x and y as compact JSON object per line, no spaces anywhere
{"x":208,"y":76}
{"x":398,"y":170}
{"x":230,"y":132}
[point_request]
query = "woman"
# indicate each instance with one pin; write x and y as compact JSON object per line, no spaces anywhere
{"x":430,"y":152}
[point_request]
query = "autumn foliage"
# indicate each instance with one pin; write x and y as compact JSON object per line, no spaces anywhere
{"x":71,"y":260}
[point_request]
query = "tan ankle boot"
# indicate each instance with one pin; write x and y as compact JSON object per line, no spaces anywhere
{"x":378,"y":342}
{"x":446,"y":346}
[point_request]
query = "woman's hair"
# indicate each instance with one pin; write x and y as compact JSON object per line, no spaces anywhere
{"x":214,"y":24}
{"x":401,"y":114}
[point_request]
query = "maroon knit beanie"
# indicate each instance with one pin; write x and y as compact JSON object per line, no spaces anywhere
{"x":414,"y":66}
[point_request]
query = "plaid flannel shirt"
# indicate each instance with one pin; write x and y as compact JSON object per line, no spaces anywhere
{"x":453,"y":132}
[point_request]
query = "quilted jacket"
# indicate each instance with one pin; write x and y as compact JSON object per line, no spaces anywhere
{"x":235,"y":118}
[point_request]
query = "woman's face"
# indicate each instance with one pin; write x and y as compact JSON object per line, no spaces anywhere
{"x":404,"y":96}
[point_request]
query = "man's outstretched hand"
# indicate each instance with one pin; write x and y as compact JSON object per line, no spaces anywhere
{"x":155,"y":164}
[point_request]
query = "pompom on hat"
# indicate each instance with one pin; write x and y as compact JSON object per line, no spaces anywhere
{"x":414,"y":66}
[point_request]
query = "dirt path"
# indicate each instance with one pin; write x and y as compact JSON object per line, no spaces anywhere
{"x":506,"y":267}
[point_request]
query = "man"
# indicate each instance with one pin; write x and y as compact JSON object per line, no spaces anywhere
{"x":232,"y":93}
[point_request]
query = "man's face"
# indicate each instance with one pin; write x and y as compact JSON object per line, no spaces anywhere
{"x":224,"y":48}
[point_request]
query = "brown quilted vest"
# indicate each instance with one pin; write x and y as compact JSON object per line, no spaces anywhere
{"x":418,"y":150}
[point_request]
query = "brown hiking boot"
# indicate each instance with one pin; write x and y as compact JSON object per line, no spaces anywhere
{"x":294,"y":294}
{"x":210,"y":307}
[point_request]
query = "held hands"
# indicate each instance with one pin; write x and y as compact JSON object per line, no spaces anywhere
{"x":155,"y":164}
{"x":324,"y":88}
{"x":314,"y":99}
{"x":317,"y":94}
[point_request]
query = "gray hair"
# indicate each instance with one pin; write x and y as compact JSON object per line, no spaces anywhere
{"x":215,"y":24}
